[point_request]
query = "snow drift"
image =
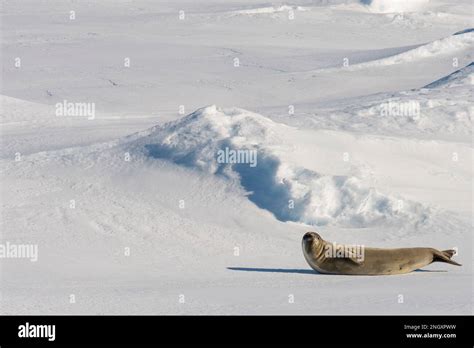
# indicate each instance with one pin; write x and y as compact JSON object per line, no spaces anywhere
{"x":439,"y":110}
{"x":460,"y":77}
{"x":439,"y":48}
{"x":388,"y":6}
{"x":276,"y":183}
{"x":268,"y":10}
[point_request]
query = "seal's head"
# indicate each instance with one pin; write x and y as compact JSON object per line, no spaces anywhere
{"x":311,"y":241}
{"x":313,"y":250}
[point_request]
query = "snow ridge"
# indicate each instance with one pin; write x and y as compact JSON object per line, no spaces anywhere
{"x":268,"y":10}
{"x":289,"y":191}
{"x":389,"y":6}
{"x":442,"y":47}
{"x":461,"y":77}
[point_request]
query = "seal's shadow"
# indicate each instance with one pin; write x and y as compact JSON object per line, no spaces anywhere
{"x":302,"y":271}
{"x":274,"y":270}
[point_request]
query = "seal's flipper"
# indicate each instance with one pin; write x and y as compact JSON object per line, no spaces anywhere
{"x":444,"y":256}
{"x":449,"y":253}
{"x":354,"y":258}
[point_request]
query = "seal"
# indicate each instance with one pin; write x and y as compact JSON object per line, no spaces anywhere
{"x":331,"y":258}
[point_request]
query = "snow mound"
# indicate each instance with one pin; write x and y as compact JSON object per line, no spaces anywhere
{"x":449,"y":46}
{"x":271,"y":179}
{"x":389,"y":6}
{"x":441,"y":110}
{"x":460,"y":77}
{"x":441,"y":47}
{"x":269,"y":10}
{"x":469,"y":30}
{"x":13,"y":110}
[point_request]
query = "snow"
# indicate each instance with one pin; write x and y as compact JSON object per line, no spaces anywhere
{"x":460,"y":77}
{"x":269,"y":10}
{"x":387,"y":6}
{"x":449,"y":46}
{"x":278,"y":178}
{"x":134,"y":208}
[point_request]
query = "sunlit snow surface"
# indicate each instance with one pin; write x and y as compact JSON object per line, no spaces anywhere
{"x":359,"y":113}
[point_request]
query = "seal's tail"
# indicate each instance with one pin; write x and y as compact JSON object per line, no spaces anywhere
{"x":445,"y":256}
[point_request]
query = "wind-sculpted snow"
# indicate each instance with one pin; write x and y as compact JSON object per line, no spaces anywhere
{"x":374,"y":6}
{"x":439,"y":48}
{"x":464,"y":76}
{"x":127,"y":221}
{"x":273,"y":181}
{"x":439,"y":110}
{"x":387,"y":6}
{"x":468,"y":30}
{"x":268,"y":10}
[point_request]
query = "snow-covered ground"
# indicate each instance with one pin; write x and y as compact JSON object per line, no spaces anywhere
{"x":354,"y":118}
